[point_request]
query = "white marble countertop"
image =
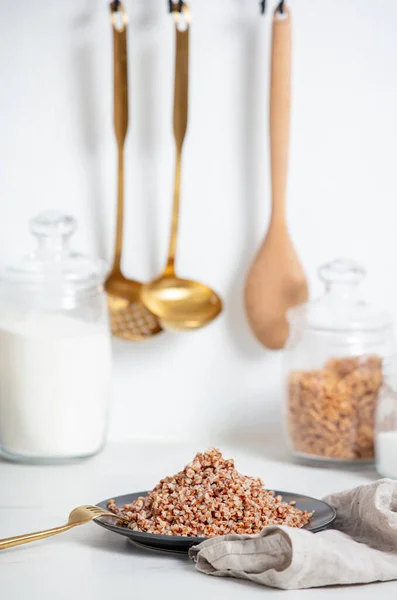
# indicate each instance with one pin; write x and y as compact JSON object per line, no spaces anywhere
{"x":89,"y":562}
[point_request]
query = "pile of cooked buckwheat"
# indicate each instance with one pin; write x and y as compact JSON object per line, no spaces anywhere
{"x":207,"y":499}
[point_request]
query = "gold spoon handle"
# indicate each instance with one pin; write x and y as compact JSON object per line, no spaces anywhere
{"x":181,"y":88}
{"x":280,"y":97}
{"x":33,"y":537}
{"x":119,"y":23}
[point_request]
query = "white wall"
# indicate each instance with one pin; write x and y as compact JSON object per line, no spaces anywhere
{"x":57,"y":150}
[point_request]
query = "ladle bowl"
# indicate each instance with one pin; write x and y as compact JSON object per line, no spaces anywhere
{"x":181,"y":303}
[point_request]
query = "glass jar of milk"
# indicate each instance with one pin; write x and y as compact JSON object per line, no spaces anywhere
{"x":55,"y":352}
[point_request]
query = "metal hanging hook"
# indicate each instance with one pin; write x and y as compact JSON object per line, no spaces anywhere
{"x":181,"y":13}
{"x":175,"y":6}
{"x":118,"y":16}
{"x":280,"y":7}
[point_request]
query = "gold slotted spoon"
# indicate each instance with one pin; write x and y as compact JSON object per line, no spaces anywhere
{"x":78,"y":516}
{"x":129,"y":318}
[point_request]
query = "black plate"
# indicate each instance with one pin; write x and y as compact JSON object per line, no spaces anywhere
{"x":323,"y":517}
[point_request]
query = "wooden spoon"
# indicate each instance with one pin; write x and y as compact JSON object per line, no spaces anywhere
{"x":276,"y":280}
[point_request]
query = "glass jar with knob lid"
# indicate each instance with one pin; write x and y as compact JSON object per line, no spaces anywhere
{"x":334,"y":370}
{"x":55,"y":351}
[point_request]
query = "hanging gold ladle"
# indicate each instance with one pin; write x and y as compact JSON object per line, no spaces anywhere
{"x":180,"y":303}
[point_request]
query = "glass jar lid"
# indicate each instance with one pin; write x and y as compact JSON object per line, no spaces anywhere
{"x":340,"y":308}
{"x":53,"y":266}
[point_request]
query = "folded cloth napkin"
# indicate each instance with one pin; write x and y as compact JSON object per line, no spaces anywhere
{"x":361,"y":547}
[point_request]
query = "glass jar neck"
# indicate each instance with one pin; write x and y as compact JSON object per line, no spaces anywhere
{"x":53,"y":232}
{"x":339,"y":290}
{"x":52,"y":248}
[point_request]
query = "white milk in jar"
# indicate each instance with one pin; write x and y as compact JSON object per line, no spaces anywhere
{"x":55,"y":354}
{"x":386,"y":422}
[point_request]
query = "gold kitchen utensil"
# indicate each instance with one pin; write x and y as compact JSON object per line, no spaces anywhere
{"x":78,"y":516}
{"x":180,"y":303}
{"x":129,"y":318}
{"x":276,"y":280}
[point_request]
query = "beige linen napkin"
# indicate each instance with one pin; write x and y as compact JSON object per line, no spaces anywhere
{"x":361,"y":547}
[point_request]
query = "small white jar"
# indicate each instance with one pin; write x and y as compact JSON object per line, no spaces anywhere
{"x":55,"y":350}
{"x":386,"y":423}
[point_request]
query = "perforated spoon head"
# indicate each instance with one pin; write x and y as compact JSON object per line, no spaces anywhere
{"x":129,"y":319}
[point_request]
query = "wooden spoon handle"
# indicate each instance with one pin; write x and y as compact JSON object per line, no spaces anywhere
{"x":280,"y":98}
{"x":120,"y":89}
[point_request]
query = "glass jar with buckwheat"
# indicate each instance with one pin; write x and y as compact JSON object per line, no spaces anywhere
{"x":334,"y":370}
